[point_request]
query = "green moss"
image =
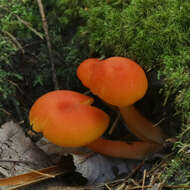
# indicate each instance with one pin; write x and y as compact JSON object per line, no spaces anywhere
{"x":177,"y":172}
{"x":33,"y":67}
{"x":7,"y":86}
{"x":154,"y":33}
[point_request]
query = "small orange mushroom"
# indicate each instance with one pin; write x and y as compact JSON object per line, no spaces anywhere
{"x":67,"y":119}
{"x":121,"y":82}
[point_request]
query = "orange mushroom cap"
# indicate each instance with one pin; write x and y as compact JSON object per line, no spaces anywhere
{"x":66,"y":118}
{"x":86,"y":67}
{"x":117,"y":80}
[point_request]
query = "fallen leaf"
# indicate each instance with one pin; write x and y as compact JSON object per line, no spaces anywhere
{"x":95,"y":167}
{"x":33,"y":177}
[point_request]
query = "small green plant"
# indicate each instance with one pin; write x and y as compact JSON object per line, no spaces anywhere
{"x":25,"y":70}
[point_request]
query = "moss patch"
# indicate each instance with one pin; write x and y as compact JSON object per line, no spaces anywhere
{"x":154,"y":33}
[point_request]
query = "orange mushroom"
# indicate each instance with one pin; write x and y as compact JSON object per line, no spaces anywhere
{"x":67,"y":119}
{"x":121,"y":82}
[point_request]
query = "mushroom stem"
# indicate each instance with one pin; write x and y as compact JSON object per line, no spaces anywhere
{"x":133,"y":150}
{"x":140,"y":126}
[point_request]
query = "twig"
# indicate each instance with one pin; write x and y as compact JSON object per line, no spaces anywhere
{"x":45,"y":27}
{"x":16,"y":85}
{"x":177,"y":186}
{"x":160,"y":186}
{"x":158,"y":123}
{"x":121,"y":187}
{"x":115,"y":123}
{"x":163,"y":162}
{"x":138,"y":187}
{"x":42,"y":173}
{"x":144,"y":177}
{"x":135,"y":170}
{"x":87,"y":156}
{"x":15,"y":41}
{"x":87,"y":92}
{"x":151,"y":180}
{"x":134,"y":182}
{"x":166,"y":186}
{"x":5,"y":111}
{"x":118,"y":181}
{"x":107,"y":186}
{"x":123,"y":184}
{"x":27,"y":24}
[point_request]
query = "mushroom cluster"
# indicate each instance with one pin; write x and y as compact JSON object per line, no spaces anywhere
{"x":121,"y":82}
{"x":68,"y":119}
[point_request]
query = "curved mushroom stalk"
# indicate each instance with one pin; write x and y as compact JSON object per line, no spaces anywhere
{"x":133,"y":150}
{"x":140,"y":126}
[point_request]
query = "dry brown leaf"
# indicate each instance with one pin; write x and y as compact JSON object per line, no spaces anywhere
{"x":21,"y":160}
{"x":94,"y":167}
{"x":32,"y":177}
{"x":35,"y":176}
{"x":20,"y":151}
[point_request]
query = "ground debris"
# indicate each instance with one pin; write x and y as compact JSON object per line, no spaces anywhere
{"x":21,"y":161}
{"x":96,"y":168}
{"x":18,"y":153}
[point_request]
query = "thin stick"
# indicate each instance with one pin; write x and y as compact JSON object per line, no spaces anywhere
{"x":42,"y":173}
{"x":144,"y":177}
{"x":115,"y":123}
{"x":15,"y":41}
{"x":5,"y":111}
{"x":151,"y":180}
{"x":160,"y":186}
{"x":45,"y":27}
{"x":177,"y":186}
{"x":121,"y":186}
{"x":27,"y":24}
{"x":138,"y":187}
{"x":118,"y":181}
{"x":134,"y":182}
{"x":107,"y":186}
{"x":158,"y":123}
